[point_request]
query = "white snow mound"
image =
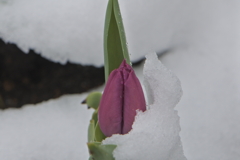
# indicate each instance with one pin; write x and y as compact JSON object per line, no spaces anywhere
{"x":72,"y":30}
{"x":155,"y":133}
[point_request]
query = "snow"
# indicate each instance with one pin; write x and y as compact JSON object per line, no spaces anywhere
{"x":72,"y":30}
{"x":205,"y":40}
{"x":209,"y":108}
{"x":207,"y":61}
{"x":155,"y":133}
{"x":56,"y":129}
{"x":59,"y":30}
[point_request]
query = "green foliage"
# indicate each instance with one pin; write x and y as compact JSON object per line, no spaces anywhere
{"x":115,"y":50}
{"x":95,"y":117}
{"x":115,"y":44}
{"x":93,"y":99}
{"x":91,"y":131}
{"x":99,"y":136}
{"x":99,"y":151}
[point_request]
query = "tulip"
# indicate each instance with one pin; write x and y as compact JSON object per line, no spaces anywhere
{"x":122,"y":96}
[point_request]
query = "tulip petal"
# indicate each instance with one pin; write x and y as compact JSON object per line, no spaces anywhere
{"x":133,"y":100}
{"x":122,"y":96}
{"x":110,"y":110}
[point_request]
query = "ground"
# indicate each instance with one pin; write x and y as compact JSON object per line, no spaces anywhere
{"x":30,"y":78}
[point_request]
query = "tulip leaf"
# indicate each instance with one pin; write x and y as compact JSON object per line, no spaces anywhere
{"x":93,"y":99}
{"x":115,"y":44}
{"x":99,"y":136}
{"x":95,"y":117}
{"x":91,"y":131}
{"x":100,"y":152}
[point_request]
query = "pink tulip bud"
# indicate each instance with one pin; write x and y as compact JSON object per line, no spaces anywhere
{"x":121,"y":98}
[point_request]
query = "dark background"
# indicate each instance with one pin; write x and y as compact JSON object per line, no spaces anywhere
{"x":30,"y":79}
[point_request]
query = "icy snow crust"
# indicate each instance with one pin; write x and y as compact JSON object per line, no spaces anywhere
{"x":155,"y":133}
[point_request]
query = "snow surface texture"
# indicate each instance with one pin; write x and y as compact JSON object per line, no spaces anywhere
{"x":155,"y":133}
{"x":52,"y":130}
{"x":207,"y":61}
{"x":73,"y":30}
{"x":210,"y":106}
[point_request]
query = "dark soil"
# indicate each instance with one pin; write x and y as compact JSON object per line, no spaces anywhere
{"x":30,"y":79}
